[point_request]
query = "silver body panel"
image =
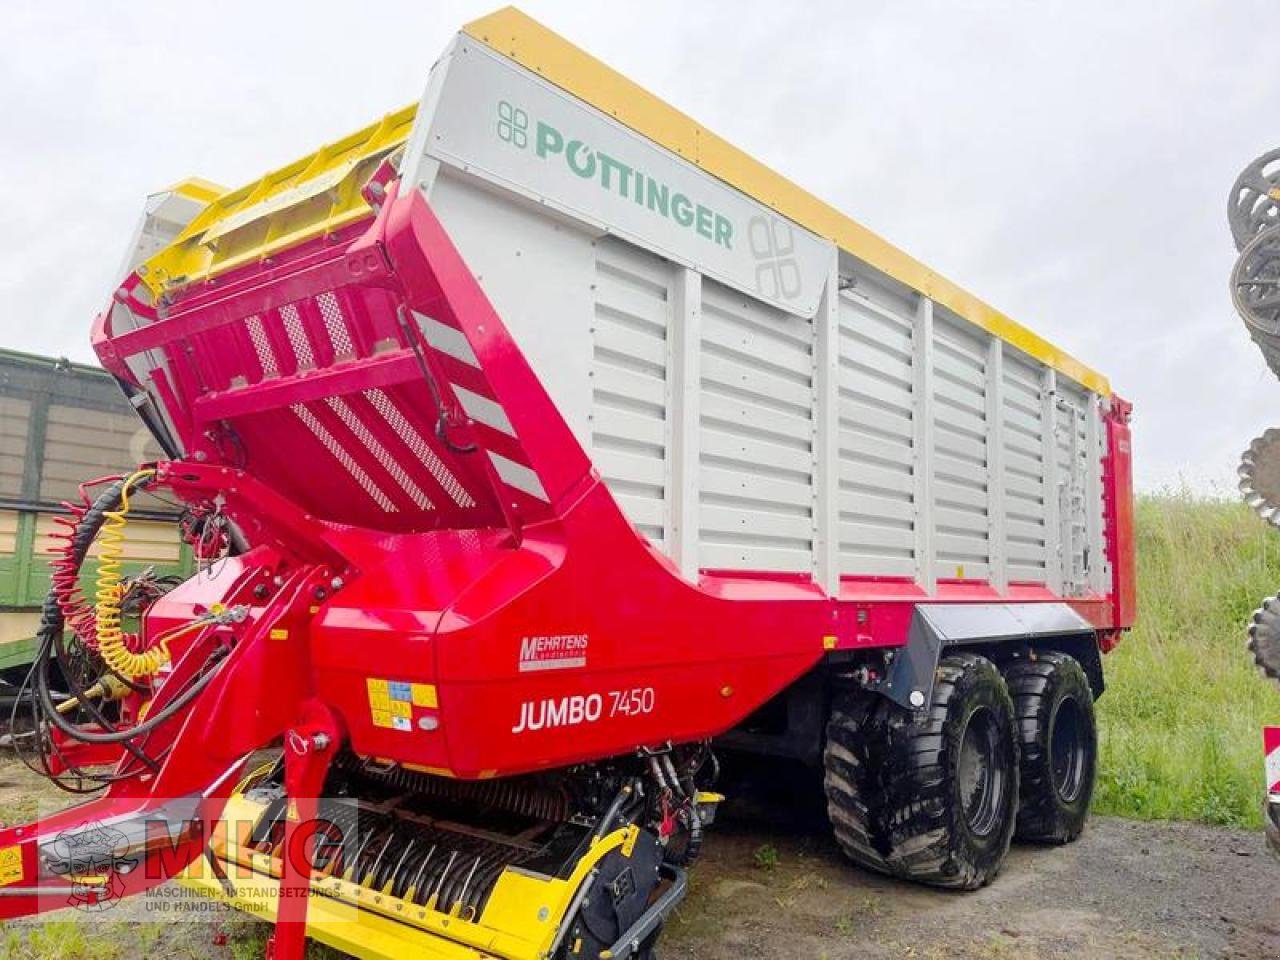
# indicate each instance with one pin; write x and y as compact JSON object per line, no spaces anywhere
{"x":755,"y":398}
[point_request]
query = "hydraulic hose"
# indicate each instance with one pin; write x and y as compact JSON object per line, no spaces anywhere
{"x":50,"y":709}
{"x":112,"y":501}
{"x":52,"y":624}
{"x":111,"y":644}
{"x":628,"y":790}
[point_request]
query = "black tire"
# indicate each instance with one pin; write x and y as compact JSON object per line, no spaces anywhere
{"x":1058,"y":737}
{"x":930,"y":796}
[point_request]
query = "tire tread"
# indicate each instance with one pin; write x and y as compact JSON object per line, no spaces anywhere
{"x":888,"y":782}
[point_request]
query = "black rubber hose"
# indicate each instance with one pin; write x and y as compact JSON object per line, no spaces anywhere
{"x":123,"y":736}
{"x":629,"y":789}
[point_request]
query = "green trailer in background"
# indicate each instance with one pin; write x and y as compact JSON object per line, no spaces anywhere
{"x":61,"y":422}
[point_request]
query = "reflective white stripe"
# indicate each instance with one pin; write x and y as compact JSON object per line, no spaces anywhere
{"x":484,"y":410}
{"x":519,"y":476}
{"x":446,"y":339}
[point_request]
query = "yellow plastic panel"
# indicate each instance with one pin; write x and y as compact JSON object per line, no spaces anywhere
{"x":317,"y":194}
{"x":519,"y":921}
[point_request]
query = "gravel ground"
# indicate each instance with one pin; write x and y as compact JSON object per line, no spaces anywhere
{"x":1125,"y":889}
{"x":770,"y":883}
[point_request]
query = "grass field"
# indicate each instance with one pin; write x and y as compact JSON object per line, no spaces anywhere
{"x":1181,"y":717}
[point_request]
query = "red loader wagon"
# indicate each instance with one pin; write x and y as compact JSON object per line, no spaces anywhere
{"x":535,"y":438}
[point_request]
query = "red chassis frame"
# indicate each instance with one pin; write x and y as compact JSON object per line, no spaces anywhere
{"x":424,"y":522}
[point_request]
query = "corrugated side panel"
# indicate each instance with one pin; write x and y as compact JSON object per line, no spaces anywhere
{"x":1021,"y":432}
{"x":876,"y":468}
{"x":146,"y":541}
{"x":83,"y":444}
{"x":629,"y":435}
{"x":755,"y":436}
{"x":15,"y":422}
{"x":960,"y":499}
{"x":18,"y":626}
{"x":8,"y":531}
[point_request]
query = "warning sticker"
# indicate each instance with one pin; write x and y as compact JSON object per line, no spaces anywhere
{"x":393,"y":704}
{"x":10,"y":865}
{"x":424,"y":695}
{"x":379,"y":694}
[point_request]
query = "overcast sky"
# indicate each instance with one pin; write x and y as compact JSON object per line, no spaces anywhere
{"x":1068,"y":162}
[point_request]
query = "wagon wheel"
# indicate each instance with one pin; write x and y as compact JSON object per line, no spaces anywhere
{"x":1254,"y":204}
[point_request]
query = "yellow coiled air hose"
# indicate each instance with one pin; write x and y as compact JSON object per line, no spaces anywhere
{"x":111,"y":646}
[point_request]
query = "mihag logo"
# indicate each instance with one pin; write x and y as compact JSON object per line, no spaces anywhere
{"x":94,"y":858}
{"x":614,"y":175}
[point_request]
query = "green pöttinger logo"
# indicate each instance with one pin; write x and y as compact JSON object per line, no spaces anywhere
{"x":513,"y":125}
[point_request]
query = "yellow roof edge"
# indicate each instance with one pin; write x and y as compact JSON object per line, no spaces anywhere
{"x":197,"y":188}
{"x":514,"y":34}
{"x":192,"y":254}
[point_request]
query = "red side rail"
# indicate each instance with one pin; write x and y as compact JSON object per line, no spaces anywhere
{"x":1117,"y":479}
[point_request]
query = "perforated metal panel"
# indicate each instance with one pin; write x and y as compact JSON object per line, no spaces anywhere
{"x":755,"y":435}
{"x":877,"y":515}
{"x":629,"y":432}
{"x":1071,"y":436}
{"x":344,"y":457}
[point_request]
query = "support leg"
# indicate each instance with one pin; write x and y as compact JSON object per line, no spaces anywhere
{"x":309,"y":747}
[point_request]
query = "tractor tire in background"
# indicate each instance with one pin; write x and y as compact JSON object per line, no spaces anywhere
{"x":930,"y":796}
{"x":1058,"y":737}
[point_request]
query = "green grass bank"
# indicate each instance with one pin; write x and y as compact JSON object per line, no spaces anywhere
{"x":1180,"y":722}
